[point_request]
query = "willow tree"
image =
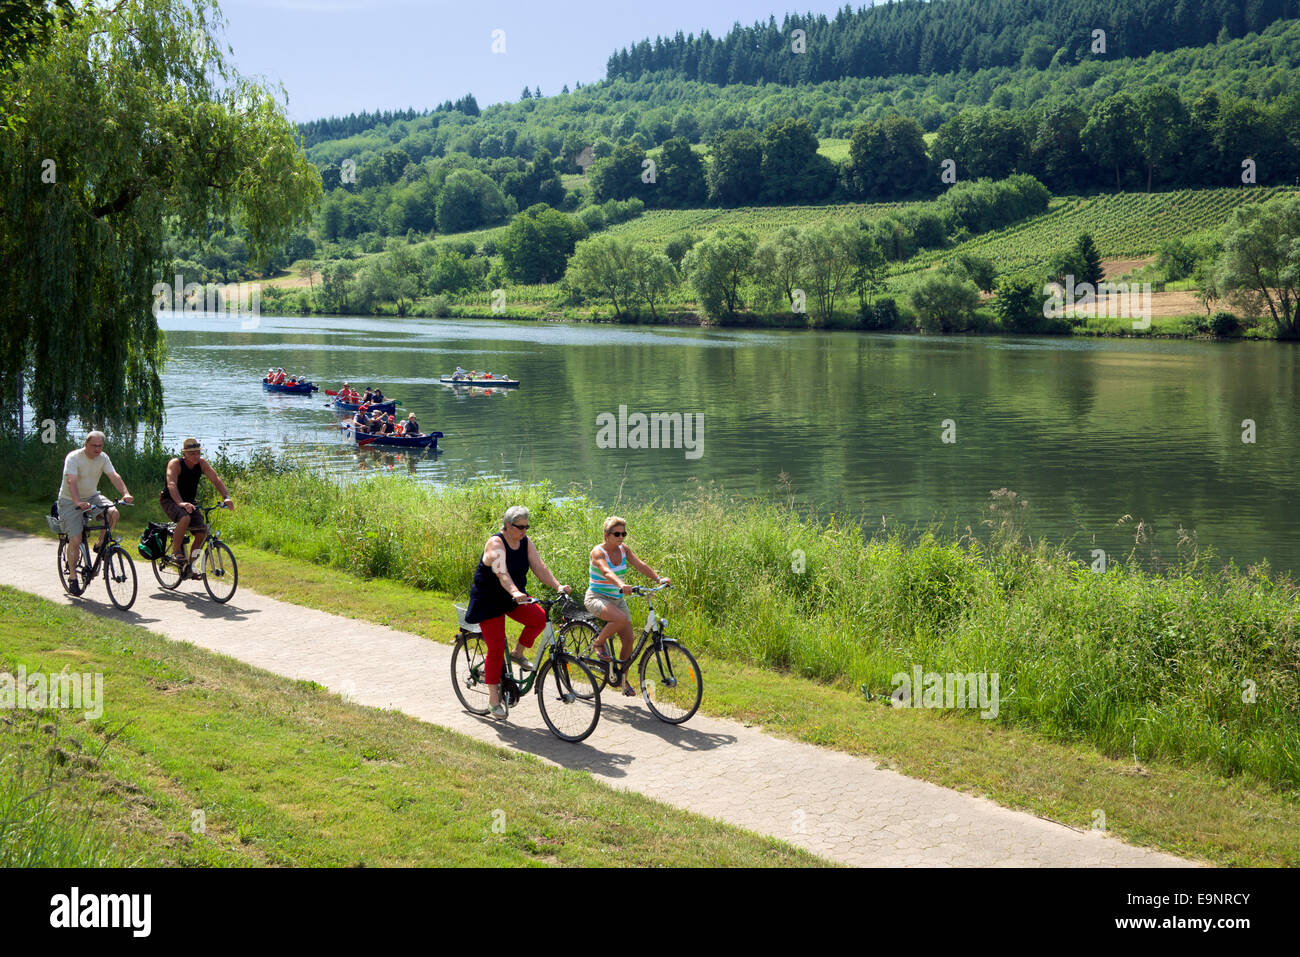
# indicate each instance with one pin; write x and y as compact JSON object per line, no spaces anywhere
{"x":125,"y":126}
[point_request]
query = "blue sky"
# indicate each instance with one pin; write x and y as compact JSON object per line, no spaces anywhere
{"x":335,"y":57}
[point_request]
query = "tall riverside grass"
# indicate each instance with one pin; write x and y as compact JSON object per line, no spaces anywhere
{"x":1149,"y":665}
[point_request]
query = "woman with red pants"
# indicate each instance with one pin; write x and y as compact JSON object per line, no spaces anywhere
{"x":498,"y":591}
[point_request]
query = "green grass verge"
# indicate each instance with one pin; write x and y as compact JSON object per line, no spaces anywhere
{"x":201,"y":760}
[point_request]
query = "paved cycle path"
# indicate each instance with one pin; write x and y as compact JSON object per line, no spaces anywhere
{"x":841,"y":807}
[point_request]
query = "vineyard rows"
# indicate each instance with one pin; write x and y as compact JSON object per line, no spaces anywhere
{"x":1122,"y":224}
{"x":656,"y":227}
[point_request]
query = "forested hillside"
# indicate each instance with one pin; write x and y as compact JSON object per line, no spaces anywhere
{"x":944,"y":36}
{"x":655,"y":108}
{"x":519,"y":194}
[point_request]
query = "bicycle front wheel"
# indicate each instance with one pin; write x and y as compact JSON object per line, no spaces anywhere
{"x":168,"y":575}
{"x":119,"y":576}
{"x":467,"y":678}
{"x":671,"y":683}
{"x":220,"y":573}
{"x":568,"y":697}
{"x":578,"y":636}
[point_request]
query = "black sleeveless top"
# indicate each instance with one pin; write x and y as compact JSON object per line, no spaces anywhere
{"x":487,"y":599}
{"x":187,"y":483}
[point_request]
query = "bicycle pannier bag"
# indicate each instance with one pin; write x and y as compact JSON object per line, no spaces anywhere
{"x":153,"y":541}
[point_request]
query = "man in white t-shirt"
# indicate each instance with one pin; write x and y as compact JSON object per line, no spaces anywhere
{"x":79,"y":493}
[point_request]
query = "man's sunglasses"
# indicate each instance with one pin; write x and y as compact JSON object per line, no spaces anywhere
{"x":523,"y":527}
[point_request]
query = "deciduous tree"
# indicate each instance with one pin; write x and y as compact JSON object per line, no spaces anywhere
{"x":126,"y":124}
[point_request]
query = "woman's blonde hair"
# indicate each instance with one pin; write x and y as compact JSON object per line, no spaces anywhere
{"x":613,"y":521}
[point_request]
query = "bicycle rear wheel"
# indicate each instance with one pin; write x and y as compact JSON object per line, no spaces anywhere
{"x":220,"y":573}
{"x":671,"y":683}
{"x":578,"y":636}
{"x":83,"y":576}
{"x":568,"y":697}
{"x":467,"y":679}
{"x":61,"y":560}
{"x":119,"y":576}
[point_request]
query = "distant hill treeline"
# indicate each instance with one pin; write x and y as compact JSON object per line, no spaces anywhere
{"x":341,"y":127}
{"x":945,"y":36}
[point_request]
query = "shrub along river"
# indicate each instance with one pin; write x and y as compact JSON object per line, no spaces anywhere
{"x":900,"y":429}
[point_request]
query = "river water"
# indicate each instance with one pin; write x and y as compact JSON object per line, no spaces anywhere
{"x":900,"y":429}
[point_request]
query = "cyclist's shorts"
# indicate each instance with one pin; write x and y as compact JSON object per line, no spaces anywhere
{"x":599,"y":605}
{"x":175,"y":513}
{"x":73,"y":519}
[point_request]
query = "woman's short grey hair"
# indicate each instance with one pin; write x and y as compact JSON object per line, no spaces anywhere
{"x":513,"y":514}
{"x":96,"y":434}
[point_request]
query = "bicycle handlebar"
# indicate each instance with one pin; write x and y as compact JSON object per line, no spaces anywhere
{"x":120,"y":501}
{"x":545,"y":602}
{"x":642,"y":590}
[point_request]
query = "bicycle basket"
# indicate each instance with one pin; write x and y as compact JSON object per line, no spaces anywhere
{"x":53,"y":518}
{"x":461,"y":612}
{"x":573,"y":610}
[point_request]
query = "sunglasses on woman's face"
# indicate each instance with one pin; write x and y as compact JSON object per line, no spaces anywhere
{"x":523,"y":527}
{"x":618,"y":534}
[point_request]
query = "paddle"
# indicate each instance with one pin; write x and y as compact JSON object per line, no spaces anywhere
{"x":330,"y":392}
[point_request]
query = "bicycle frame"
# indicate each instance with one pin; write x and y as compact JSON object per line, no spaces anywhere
{"x":653,"y":632}
{"x":110,"y":538}
{"x":212,"y":536}
{"x":548,"y":642}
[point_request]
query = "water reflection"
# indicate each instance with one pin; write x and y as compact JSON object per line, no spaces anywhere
{"x":1085,"y":431}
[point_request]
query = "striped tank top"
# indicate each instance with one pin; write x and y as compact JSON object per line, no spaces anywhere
{"x":599,"y":584}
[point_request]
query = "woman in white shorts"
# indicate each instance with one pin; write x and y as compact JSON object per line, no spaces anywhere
{"x":606,"y":589}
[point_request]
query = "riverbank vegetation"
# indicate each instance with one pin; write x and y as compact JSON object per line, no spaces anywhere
{"x":945,"y":265}
{"x":1190,"y":665}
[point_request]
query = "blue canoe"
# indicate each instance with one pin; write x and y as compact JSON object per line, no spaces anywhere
{"x":389,"y":406}
{"x":301,"y":388}
{"x":428,"y":440}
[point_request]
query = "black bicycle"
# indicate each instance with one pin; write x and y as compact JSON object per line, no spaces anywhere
{"x":216,"y":567}
{"x":119,"y":570}
{"x":671,"y":683}
{"x":567,"y":690}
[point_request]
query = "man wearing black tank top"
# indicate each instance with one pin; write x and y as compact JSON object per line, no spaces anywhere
{"x":180,"y":497}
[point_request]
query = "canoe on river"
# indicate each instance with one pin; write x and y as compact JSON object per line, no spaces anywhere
{"x":388,"y":407}
{"x":428,"y":440}
{"x":479,"y":380}
{"x":298,"y":388}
